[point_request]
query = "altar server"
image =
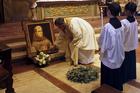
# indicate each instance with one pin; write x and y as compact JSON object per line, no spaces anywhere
{"x":130,"y":43}
{"x":112,"y":49}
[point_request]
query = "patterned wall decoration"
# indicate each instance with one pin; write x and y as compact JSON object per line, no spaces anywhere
{"x":80,"y":10}
{"x":67,"y":10}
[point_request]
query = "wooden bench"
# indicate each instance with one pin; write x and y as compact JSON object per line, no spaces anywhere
{"x":106,"y":89}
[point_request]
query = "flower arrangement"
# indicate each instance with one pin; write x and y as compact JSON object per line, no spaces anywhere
{"x":42,"y":59}
{"x":82,"y":74}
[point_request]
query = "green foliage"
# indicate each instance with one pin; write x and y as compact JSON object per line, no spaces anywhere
{"x":82,"y":74}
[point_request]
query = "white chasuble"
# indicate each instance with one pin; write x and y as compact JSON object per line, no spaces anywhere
{"x":83,"y":40}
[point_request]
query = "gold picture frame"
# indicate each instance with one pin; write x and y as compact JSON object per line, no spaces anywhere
{"x":30,"y":31}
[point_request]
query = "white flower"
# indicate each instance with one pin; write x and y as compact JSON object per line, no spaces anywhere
{"x":42,"y":58}
{"x":44,"y":55}
{"x":47,"y":55}
{"x":44,"y":62}
{"x":41,"y":53}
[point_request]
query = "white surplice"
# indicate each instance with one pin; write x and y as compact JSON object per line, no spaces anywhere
{"x":111,"y":45}
{"x":131,"y":35}
{"x":83,"y":44}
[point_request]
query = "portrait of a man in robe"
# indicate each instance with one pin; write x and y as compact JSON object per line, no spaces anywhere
{"x":39,"y":37}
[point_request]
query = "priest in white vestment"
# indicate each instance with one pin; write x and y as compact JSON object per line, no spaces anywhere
{"x":77,"y":39}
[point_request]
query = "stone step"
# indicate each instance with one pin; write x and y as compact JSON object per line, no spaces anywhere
{"x":12,"y":24}
{"x":127,"y":88}
{"x":19,"y":50}
{"x":11,"y":39}
{"x":17,"y":46}
{"x":11,"y":32}
{"x":19,"y":55}
{"x":13,"y":36}
{"x":106,"y":89}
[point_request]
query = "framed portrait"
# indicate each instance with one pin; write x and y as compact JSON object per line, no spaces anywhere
{"x":39,"y":36}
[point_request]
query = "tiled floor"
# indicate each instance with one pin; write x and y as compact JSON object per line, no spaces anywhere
{"x":52,"y":79}
{"x":61,"y":75}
